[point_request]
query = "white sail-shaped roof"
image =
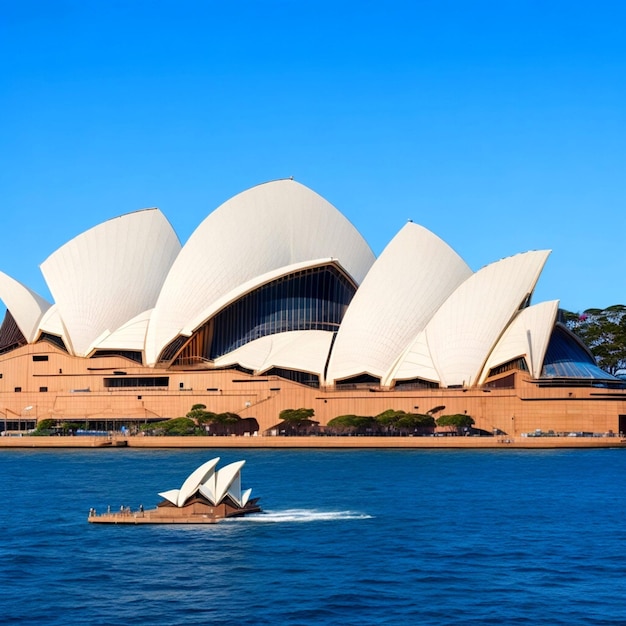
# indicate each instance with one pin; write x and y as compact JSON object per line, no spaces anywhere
{"x":26,"y":307}
{"x":228,"y":481}
{"x":130,"y":336}
{"x":527,"y":336}
{"x":416,"y":358}
{"x":413,"y":276}
{"x":234,"y":490}
{"x":260,"y":230}
{"x":192,"y":483}
{"x":225,"y":481}
{"x":463,"y":332}
{"x":305,"y":351}
{"x":196,"y":478}
{"x":171,"y":496}
{"x":245,"y":496}
{"x":109,"y":274}
{"x":52,"y":323}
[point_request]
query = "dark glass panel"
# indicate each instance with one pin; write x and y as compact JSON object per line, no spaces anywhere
{"x":11,"y":336}
{"x":304,"y":378}
{"x":565,"y":358}
{"x":169,"y":352}
{"x":132,"y":355}
{"x":308,"y":300}
{"x":55,"y":340}
{"x":416,"y":383}
{"x":129,"y":381}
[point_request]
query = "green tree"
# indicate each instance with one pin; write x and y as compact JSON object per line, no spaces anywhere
{"x":200,"y":415}
{"x":389,"y":417}
{"x":400,"y":422}
{"x":296,"y":419}
{"x":179,"y":426}
{"x":412,"y":422}
{"x":225,"y":423}
{"x":458,"y":421}
{"x":603,"y":331}
{"x":213,"y":423}
{"x":44,"y":428}
{"x":352,"y":424}
{"x":70,"y":427}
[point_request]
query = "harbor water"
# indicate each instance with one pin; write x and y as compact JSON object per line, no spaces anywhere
{"x":345,"y":537}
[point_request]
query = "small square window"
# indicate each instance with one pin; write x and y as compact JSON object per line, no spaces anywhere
{"x":43,"y":388}
{"x":18,"y":389}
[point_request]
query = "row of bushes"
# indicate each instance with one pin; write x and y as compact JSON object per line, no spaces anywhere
{"x":390,"y":422}
{"x":199,"y":421}
{"x":397,"y":422}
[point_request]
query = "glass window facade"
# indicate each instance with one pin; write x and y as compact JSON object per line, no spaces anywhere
{"x":515,"y":364}
{"x":304,"y":378}
{"x":313,"y":299}
{"x":131,"y":381}
{"x":565,"y":358}
{"x":416,"y":383}
{"x":54,"y":340}
{"x":10,"y":335}
{"x":131,"y":355}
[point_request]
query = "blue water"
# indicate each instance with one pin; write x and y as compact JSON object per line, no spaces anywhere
{"x":348,"y":537}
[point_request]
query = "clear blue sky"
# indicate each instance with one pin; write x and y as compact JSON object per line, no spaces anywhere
{"x":500,"y":126}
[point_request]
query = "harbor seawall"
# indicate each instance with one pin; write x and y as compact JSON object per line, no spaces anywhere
{"x":314,"y":442}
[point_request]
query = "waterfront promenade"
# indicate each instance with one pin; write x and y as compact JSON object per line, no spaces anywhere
{"x":336,"y":442}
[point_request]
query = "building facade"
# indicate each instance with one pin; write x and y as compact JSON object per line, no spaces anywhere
{"x":276,"y":302}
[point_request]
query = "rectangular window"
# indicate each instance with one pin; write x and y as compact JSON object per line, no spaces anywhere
{"x":18,"y":389}
{"x":40,"y":357}
{"x":148,"y":381}
{"x":43,"y":388}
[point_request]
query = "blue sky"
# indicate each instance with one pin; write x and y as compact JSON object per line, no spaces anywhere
{"x":500,"y":126}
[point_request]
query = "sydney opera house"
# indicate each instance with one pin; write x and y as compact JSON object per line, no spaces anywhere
{"x":275,"y":302}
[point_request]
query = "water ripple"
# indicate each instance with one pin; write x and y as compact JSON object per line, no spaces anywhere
{"x":350,"y":537}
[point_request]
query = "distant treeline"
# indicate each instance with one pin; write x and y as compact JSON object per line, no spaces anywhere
{"x":604,"y":332}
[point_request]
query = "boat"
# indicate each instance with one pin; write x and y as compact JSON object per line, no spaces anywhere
{"x":207,"y":496}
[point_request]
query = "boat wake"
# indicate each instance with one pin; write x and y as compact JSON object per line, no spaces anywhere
{"x":302,"y":515}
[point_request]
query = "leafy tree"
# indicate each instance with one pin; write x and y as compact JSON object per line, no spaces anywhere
{"x":458,"y":421}
{"x":352,"y":424}
{"x":296,"y":419}
{"x":70,"y":427}
{"x":404,"y":423}
{"x":410,"y":422}
{"x":179,"y":426}
{"x":44,"y":428}
{"x":604,"y":332}
{"x":47,"y":424}
{"x":225,"y":422}
{"x":200,"y":415}
{"x":389,"y":417}
{"x":215,"y":423}
{"x":296,"y":416}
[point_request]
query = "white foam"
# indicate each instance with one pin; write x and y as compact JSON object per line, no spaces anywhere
{"x":302,"y":515}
